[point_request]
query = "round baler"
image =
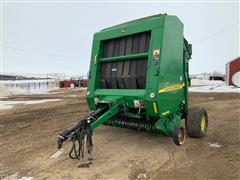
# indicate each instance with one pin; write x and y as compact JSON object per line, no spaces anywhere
{"x":138,"y":79}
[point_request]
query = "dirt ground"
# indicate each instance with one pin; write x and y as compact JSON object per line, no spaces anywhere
{"x":29,"y":132}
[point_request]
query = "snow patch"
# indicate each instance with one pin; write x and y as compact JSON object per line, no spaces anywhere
{"x":15,"y":176}
{"x":211,"y":98}
{"x":211,"y":86}
{"x":141,"y":176}
{"x":57,"y":154}
{"x":11,"y":177}
{"x":11,"y":104}
{"x":26,"y":178}
{"x":200,"y":82}
{"x":215,"y":145}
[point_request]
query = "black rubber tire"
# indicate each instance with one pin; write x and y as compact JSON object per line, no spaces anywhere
{"x":194,"y":120}
{"x":175,"y":136}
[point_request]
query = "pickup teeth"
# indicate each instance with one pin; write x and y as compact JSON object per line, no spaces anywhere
{"x":131,"y":123}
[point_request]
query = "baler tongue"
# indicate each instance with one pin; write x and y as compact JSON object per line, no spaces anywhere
{"x":81,"y":133}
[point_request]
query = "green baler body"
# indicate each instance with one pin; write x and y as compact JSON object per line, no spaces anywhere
{"x":165,"y":92}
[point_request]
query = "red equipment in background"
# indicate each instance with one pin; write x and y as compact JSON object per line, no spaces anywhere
{"x":81,"y":82}
{"x":66,"y":83}
{"x":84,"y":82}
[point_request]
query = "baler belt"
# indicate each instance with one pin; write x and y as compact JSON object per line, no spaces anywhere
{"x":124,"y":74}
{"x":126,"y":45}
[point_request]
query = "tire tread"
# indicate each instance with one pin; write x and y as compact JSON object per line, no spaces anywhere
{"x":193,"y":122}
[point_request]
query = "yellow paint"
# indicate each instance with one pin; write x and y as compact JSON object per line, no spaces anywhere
{"x":172,"y":88}
{"x":95,"y":59}
{"x":155,"y":107}
{"x":203,"y":122}
{"x":166,"y":113}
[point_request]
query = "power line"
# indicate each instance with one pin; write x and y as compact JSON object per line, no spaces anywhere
{"x":75,"y":57}
{"x":218,"y":33}
{"x":42,"y":53}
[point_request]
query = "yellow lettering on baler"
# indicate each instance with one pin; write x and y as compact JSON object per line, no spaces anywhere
{"x":172,"y":88}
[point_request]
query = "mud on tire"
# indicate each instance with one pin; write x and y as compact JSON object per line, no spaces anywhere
{"x":197,"y":122}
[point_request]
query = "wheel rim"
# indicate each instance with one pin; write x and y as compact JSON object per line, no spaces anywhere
{"x":181,"y":136}
{"x":203,"y":123}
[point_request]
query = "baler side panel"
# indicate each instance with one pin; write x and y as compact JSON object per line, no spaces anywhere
{"x":171,"y":77}
{"x":94,"y":79}
{"x":153,"y":73}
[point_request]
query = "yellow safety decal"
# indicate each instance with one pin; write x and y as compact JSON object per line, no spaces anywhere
{"x":172,"y":88}
{"x":155,"y":107}
{"x":166,"y":113}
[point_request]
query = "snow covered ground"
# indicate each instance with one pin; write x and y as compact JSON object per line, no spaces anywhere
{"x":11,"y":104}
{"x":8,"y":88}
{"x":211,"y":86}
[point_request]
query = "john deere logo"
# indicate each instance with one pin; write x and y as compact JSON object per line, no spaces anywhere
{"x":123,"y":30}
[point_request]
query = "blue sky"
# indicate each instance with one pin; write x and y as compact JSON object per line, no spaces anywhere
{"x":57,"y":37}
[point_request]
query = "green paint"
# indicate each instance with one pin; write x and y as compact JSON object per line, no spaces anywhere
{"x":127,"y":57}
{"x":172,"y":69}
{"x":167,"y":124}
{"x":106,"y":116}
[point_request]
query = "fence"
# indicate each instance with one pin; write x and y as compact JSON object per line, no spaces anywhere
{"x":28,"y":86}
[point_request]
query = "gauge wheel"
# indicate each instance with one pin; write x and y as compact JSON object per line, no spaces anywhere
{"x":179,"y":136}
{"x":197,"y":122}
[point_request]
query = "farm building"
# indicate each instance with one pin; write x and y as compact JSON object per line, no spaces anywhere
{"x":232,"y":72}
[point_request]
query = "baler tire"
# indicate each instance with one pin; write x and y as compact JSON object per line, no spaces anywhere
{"x":197,"y":122}
{"x":178,"y":136}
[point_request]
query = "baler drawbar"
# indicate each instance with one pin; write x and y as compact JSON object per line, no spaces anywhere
{"x":138,"y":79}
